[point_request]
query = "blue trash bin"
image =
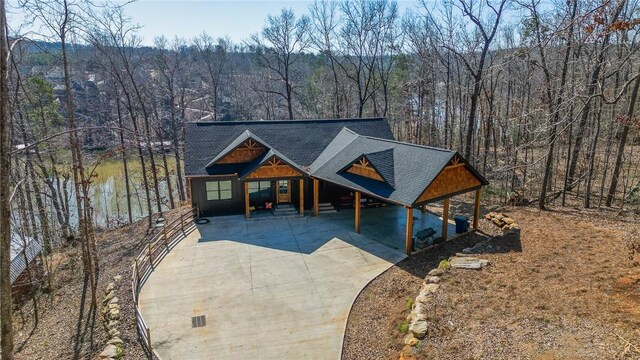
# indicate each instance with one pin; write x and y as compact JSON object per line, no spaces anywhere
{"x":462,"y":224}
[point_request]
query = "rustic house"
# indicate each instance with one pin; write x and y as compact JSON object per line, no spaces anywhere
{"x":257,"y":167}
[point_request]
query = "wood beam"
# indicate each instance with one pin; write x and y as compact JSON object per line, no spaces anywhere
{"x":247,"y":206}
{"x":315,"y":196}
{"x":476,"y":209}
{"x":454,"y":166}
{"x":445,"y":219}
{"x":301,"y":197}
{"x":408,"y":239}
{"x":189,"y":192}
{"x":357,"y":207}
{"x":423,"y":208}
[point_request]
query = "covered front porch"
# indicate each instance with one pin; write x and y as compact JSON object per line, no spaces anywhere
{"x":270,"y":198}
{"x":400,"y":227}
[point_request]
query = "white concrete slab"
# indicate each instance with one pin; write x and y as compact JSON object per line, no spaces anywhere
{"x":270,"y":289}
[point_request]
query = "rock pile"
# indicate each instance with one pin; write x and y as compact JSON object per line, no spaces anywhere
{"x":502,"y":221}
{"x":111,"y":320}
{"x":419,"y":322}
{"x":468,"y":262}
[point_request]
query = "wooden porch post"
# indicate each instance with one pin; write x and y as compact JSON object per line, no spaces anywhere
{"x":247,"y":210}
{"x":301,"y":197}
{"x":476,"y":210}
{"x":423,"y":208}
{"x":408,"y":240}
{"x":357,"y":207}
{"x":315,"y":197}
{"x":445,"y":219}
{"x":189,"y":191}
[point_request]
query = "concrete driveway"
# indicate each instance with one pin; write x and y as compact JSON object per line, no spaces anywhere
{"x":269,"y":289}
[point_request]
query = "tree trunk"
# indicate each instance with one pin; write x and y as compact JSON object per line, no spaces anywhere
{"x":29,"y":222}
{"x":554,"y":109}
{"x":6,"y":302}
{"x":591,"y":89}
{"x":124,"y":160}
{"x":84,"y":224}
{"x":471,"y":122}
{"x":176,"y":143}
{"x":621,"y":144}
{"x":147,"y":134}
{"x":592,"y":156}
{"x":167,"y":174}
{"x":143,"y":167}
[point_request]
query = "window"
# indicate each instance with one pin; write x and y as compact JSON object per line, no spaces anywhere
{"x":283,"y":187}
{"x":259,"y":189}
{"x":219,"y":190}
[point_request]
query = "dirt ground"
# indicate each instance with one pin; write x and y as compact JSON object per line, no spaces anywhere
{"x":58,"y":329}
{"x":566,"y":290}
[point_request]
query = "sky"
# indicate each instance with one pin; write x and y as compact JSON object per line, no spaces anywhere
{"x":219,"y":18}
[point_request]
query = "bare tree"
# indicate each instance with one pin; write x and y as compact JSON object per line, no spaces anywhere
{"x":592,"y":86}
{"x":286,"y":40}
{"x":624,"y":133}
{"x":324,"y":23}
{"x":360,"y":44}
{"x":6,"y":319}
{"x":113,"y":41}
{"x":473,"y":10}
{"x":215,"y":68}
{"x":554,"y":97}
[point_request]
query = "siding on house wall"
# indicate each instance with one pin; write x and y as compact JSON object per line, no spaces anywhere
{"x":329,"y":193}
{"x":233,"y":206}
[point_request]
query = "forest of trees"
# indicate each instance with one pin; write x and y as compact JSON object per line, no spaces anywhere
{"x":540,"y":96}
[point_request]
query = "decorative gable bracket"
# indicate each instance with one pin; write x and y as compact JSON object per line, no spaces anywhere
{"x":362,"y":167}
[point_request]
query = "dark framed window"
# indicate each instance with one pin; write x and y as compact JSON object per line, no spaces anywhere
{"x":260,"y":190}
{"x":219,"y":190}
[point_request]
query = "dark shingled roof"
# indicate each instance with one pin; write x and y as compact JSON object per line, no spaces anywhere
{"x":324,"y":149}
{"x":382,"y":161}
{"x":301,"y":141}
{"x":235,"y":143}
{"x":413,"y":166}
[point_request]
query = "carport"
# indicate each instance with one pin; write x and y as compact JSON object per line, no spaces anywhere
{"x":406,"y":175}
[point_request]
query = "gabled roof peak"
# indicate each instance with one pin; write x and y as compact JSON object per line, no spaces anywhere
{"x":265,"y":158}
{"x":378,"y":165}
{"x":383,"y":162}
{"x":301,"y":141}
{"x":237,"y":142}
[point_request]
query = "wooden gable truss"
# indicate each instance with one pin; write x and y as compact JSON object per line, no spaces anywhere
{"x":362,"y":167}
{"x":274,"y":168}
{"x":248,"y":151}
{"x":455,"y":178}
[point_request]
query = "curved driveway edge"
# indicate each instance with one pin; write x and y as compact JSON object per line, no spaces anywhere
{"x":268,"y":289}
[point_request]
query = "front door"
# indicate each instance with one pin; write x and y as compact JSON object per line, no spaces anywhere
{"x":284,"y":191}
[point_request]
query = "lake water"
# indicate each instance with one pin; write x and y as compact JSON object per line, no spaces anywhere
{"x":108,"y":191}
{"x":108,"y":199}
